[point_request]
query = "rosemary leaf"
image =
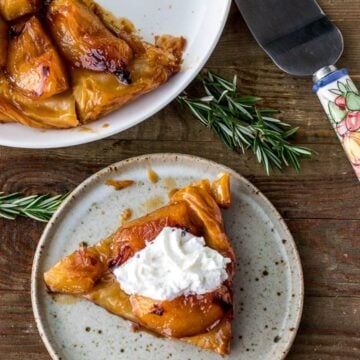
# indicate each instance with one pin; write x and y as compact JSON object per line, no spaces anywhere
{"x":37,"y":207}
{"x":242,"y":126}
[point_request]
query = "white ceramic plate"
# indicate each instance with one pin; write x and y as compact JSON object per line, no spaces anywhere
{"x":268,"y":283}
{"x":201,"y":22}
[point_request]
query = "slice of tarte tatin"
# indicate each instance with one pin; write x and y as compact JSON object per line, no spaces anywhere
{"x":71,"y":62}
{"x":171,"y":271}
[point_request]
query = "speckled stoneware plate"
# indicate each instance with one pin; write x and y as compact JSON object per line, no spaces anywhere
{"x":268,"y":283}
{"x":201,"y":22}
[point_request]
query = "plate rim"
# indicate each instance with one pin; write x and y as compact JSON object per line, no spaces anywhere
{"x":90,"y":138}
{"x":297,"y":264}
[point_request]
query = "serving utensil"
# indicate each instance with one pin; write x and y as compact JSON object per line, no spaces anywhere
{"x":302,"y":41}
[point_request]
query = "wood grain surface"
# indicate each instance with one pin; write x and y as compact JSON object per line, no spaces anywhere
{"x":321,"y":204}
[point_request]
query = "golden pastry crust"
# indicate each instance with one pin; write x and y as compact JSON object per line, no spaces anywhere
{"x":98,"y":94}
{"x":203,"y":320}
{"x":55,"y":112}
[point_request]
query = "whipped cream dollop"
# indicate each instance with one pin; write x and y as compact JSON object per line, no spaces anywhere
{"x":176,"y":263}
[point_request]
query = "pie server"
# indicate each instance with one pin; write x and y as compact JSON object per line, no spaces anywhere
{"x":302,"y":41}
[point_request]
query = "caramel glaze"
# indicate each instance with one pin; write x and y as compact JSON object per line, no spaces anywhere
{"x":203,"y":320}
{"x":119,"y":184}
{"x":125,"y":216}
{"x":152,"y":176}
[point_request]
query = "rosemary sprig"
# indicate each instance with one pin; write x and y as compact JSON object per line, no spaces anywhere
{"x":241,"y":125}
{"x":37,"y":207}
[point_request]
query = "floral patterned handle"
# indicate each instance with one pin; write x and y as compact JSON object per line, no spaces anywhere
{"x":341,"y":101}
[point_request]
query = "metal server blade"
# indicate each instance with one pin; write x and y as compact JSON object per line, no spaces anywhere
{"x":296,"y":34}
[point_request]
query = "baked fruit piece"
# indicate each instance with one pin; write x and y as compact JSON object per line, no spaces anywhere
{"x":85,"y":41}
{"x":33,"y":65}
{"x":13,"y":9}
{"x":202,"y":320}
{"x":34,"y":89}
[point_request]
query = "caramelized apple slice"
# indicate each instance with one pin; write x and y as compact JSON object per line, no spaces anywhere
{"x":3,"y":42}
{"x":181,"y":317}
{"x":85,"y":41}
{"x":12,"y":9}
{"x":123,"y":28}
{"x":33,"y":65}
{"x":90,"y":270}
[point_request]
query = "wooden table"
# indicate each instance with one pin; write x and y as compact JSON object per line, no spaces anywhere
{"x":321,"y":204}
